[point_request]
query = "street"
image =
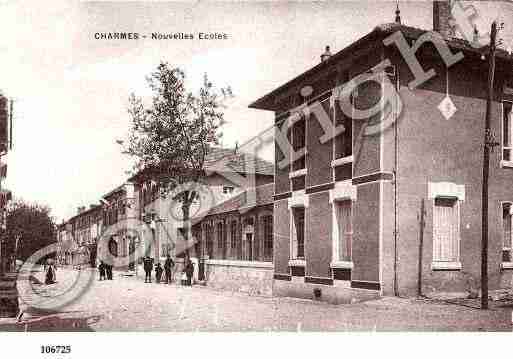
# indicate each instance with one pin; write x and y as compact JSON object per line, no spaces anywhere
{"x":129,"y":304}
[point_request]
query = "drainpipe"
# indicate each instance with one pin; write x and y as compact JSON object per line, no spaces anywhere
{"x":396,"y":158}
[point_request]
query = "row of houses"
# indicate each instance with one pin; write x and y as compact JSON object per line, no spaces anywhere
{"x":389,"y":205}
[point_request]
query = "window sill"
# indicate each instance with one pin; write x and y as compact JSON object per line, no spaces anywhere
{"x":297,"y":263}
{"x":506,"y":164}
{"x":341,"y":161}
{"x":507,"y":265}
{"x":298,"y":200}
{"x":298,"y":173}
{"x":342,"y":264}
{"x":446,"y":266}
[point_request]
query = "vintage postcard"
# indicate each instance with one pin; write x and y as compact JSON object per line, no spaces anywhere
{"x":203,"y":166}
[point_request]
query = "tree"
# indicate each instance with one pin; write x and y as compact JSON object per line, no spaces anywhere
{"x":31,"y":226}
{"x":170,"y":138}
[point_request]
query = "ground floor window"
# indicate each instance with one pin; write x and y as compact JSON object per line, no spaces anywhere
{"x":209,"y":240}
{"x":506,"y":232}
{"x":221,"y":243}
{"x":446,"y":231}
{"x":344,"y":228}
{"x":298,"y":233}
{"x":235,"y":241}
{"x":248,"y":239}
{"x":267,"y":224}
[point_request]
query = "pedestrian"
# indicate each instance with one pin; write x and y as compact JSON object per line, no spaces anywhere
{"x":50,"y":275}
{"x":148,"y":266}
{"x":101,"y":268}
{"x":54,"y":272}
{"x":109,"y":271}
{"x":158,"y":272}
{"x":189,"y":271}
{"x":168,"y":267}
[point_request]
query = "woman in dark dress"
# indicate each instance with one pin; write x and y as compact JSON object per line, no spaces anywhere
{"x":50,"y":275}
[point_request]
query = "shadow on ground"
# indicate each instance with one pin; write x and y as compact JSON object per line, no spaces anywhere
{"x":53,"y":322}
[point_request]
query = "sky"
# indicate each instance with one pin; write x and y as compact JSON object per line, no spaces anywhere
{"x":71,"y":90}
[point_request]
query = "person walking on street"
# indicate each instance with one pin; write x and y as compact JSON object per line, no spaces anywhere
{"x":101,"y":268}
{"x":148,"y":266}
{"x":158,"y":272}
{"x":109,"y":271}
{"x":50,"y":274}
{"x":168,"y":267}
{"x":189,"y":271}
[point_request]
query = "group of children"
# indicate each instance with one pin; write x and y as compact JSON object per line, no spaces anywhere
{"x":168,"y":269}
{"x":169,"y":264}
{"x":188,"y":271}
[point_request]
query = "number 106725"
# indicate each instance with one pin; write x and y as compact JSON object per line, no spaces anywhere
{"x":55,"y":349}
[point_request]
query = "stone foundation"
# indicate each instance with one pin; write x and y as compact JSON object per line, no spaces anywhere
{"x":333,"y":294}
{"x":254,"y":278}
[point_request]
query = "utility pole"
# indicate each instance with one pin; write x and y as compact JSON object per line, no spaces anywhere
{"x":488,"y":145}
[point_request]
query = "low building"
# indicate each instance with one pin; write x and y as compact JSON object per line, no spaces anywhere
{"x":235,"y":240}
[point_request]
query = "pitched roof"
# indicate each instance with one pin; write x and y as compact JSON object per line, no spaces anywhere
{"x":378,"y":33}
{"x":231,"y":160}
{"x":114,"y":191}
{"x":264,"y":195}
{"x":86,"y":211}
{"x":239,"y":161}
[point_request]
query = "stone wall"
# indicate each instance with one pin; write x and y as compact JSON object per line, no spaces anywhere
{"x":254,"y":278}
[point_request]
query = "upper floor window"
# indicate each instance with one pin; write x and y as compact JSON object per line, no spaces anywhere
{"x":507,"y":131}
{"x":344,"y":141}
{"x":298,"y":140}
{"x":446,"y":231}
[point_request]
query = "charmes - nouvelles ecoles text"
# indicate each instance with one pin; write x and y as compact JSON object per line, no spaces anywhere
{"x":161,"y":36}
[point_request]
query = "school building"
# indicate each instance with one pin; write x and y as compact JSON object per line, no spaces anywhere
{"x":392,"y":204}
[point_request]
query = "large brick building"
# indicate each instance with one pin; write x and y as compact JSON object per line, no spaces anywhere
{"x":393,"y":203}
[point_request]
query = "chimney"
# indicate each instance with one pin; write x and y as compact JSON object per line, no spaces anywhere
{"x":441,"y":17}
{"x":326,"y":55}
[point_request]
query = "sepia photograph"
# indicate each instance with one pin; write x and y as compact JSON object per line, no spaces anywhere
{"x":254,"y":167}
